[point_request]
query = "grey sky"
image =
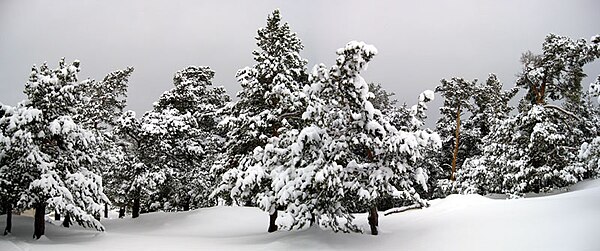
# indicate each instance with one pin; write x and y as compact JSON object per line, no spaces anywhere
{"x":419,"y":42}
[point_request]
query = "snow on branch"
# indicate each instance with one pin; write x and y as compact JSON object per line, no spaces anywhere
{"x":558,"y":108}
{"x":402,"y":209}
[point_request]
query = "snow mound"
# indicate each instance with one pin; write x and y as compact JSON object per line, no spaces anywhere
{"x":567,"y":221}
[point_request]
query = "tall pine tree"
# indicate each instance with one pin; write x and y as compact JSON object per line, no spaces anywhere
{"x":271,"y":101}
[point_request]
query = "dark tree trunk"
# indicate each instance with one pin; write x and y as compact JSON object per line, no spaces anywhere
{"x":56,"y":214}
{"x":39,"y":223}
{"x":373,"y":220}
{"x":67,"y":221}
{"x":106,"y":210}
{"x":272,"y":226}
{"x":121,"y":212}
{"x":186,"y":205}
{"x":135,"y":210}
{"x":8,"y":219}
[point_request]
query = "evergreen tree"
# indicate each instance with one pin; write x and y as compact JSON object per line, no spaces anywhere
{"x":104,"y":104}
{"x":271,"y":101}
{"x":589,"y":152}
{"x":595,"y":88}
{"x":491,"y":105}
{"x":381,"y":98}
{"x":557,"y":72}
{"x":133,"y":181}
{"x":347,"y":156}
{"x":106,"y":100}
{"x":457,"y":94}
{"x":180,"y":138}
{"x":409,"y":119}
{"x":533,"y":151}
{"x":13,"y":180}
{"x":50,"y":151}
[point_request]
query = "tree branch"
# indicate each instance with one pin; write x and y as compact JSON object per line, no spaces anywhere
{"x":563,"y":111}
{"x":402,"y":209}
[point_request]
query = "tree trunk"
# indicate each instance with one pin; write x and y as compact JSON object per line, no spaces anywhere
{"x":272,"y":225}
{"x":186,"y":205}
{"x":56,"y":214}
{"x":373,"y":220}
{"x":542,"y":93}
{"x":121,"y":212}
{"x":456,"y":145}
{"x":135,"y":210}
{"x":67,"y":221}
{"x":105,"y":210}
{"x":8,"y":219}
{"x":39,"y":223}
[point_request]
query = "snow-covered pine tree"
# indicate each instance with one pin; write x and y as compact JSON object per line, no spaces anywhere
{"x":589,"y":152}
{"x":529,"y":152}
{"x":133,"y":181}
{"x":491,"y":107}
{"x":487,"y":104}
{"x":50,"y":148}
{"x":535,"y":150}
{"x":412,"y":119}
{"x":104,"y":104}
{"x":381,"y":98}
{"x":13,"y":179}
{"x":557,"y":72}
{"x":271,"y":101}
{"x":409,"y":119}
{"x":8,"y":196}
{"x":347,"y":155}
{"x":595,"y":88}
{"x":457,"y":143}
{"x":180,"y":137}
{"x":105,"y":100}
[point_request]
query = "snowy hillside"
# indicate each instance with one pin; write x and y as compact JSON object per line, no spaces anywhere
{"x":567,"y":221}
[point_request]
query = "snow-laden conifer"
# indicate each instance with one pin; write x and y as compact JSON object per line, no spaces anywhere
{"x":180,"y":138}
{"x":52,"y":150}
{"x":270,"y":103}
{"x":347,"y":156}
{"x":536,"y":149}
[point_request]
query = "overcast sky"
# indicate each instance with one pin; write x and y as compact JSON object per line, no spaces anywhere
{"x":419,"y":42}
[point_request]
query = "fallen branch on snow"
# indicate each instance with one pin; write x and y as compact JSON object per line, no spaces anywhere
{"x":402,"y":209}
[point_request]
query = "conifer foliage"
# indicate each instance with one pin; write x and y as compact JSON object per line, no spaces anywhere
{"x":271,"y":95}
{"x":48,"y":156}
{"x":271,"y":102}
{"x":535,"y":150}
{"x":457,"y":94}
{"x":180,"y":139}
{"x":309,"y":149}
{"x":346,"y":156}
{"x":589,"y":152}
{"x":316,"y":149}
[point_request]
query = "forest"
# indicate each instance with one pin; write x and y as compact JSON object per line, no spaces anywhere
{"x":314,"y":146}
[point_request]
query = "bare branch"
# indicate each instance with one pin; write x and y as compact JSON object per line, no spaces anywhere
{"x":402,"y":209}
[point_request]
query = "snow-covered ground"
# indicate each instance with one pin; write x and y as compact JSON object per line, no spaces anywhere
{"x":566,"y":221}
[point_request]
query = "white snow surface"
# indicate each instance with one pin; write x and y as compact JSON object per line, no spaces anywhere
{"x":566,"y":221}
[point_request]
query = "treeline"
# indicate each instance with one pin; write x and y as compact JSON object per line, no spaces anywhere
{"x":316,"y":146}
